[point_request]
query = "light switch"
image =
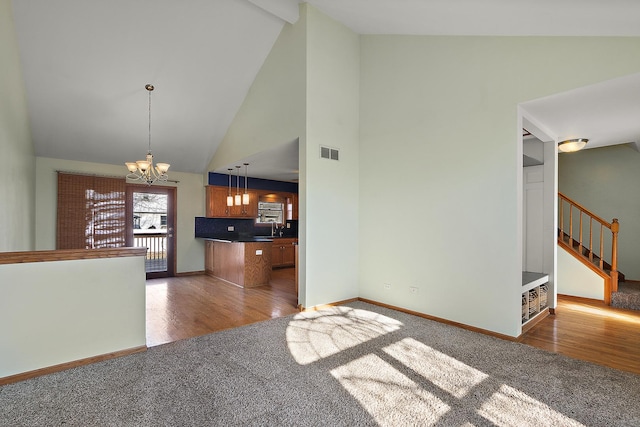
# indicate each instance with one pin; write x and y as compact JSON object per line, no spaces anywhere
{"x":230,"y":228}
{"x":258,"y":251}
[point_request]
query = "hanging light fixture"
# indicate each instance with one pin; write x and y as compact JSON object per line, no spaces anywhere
{"x":245,"y":196}
{"x":143,"y":170}
{"x":238,"y":196}
{"x":571,"y":145}
{"x":229,"y":196}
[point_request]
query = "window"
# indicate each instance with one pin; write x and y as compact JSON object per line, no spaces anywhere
{"x":91,"y":212}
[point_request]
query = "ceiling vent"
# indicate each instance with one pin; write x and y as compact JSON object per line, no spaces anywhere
{"x":329,"y":153}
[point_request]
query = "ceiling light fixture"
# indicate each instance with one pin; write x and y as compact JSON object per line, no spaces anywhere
{"x":238,"y":196}
{"x":245,"y":196}
{"x":229,"y":196}
{"x":571,"y":145}
{"x":143,"y":170}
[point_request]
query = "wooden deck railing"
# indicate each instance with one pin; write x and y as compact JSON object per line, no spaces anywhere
{"x":156,"y":244}
{"x":594,"y":250}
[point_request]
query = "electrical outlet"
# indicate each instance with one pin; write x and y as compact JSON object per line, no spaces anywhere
{"x":288,"y":225}
{"x":231,"y":228}
{"x":387,"y":286}
{"x":413,"y":290}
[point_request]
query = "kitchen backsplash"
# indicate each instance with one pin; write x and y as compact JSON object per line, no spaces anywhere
{"x":218,"y":227}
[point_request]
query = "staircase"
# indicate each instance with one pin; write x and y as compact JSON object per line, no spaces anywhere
{"x":587,"y":255}
{"x":628,"y":296}
{"x":576,"y":234}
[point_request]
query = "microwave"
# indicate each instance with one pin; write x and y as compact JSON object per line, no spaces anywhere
{"x":269,"y":212}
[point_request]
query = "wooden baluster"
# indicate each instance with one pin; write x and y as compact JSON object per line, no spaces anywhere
{"x":601,"y":246}
{"x":561,"y":221}
{"x":615,"y":227}
{"x":561,"y":203}
{"x":571,"y":225}
{"x":590,"y":238}
{"x":580,"y":236}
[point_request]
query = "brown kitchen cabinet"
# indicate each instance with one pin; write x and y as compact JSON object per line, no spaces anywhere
{"x":216,"y":204}
{"x":291,"y":206}
{"x":208,"y":257}
{"x":283,"y":252}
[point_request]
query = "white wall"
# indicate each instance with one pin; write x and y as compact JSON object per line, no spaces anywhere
{"x":605,"y":181}
{"x":333,"y":94}
{"x":17,"y":160}
{"x":439,"y":175}
{"x":190,"y":199}
{"x":63,"y":317}
{"x":576,"y":279}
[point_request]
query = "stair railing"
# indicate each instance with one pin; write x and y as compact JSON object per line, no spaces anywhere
{"x":575,"y":242}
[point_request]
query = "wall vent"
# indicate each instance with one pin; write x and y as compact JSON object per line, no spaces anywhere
{"x":329,"y":153}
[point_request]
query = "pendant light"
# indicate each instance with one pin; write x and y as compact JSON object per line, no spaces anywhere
{"x":245,"y":196}
{"x":238,"y":199}
{"x":229,"y":196}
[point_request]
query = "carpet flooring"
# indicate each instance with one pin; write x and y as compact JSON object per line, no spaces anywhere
{"x":628,"y":296}
{"x":352,"y":365}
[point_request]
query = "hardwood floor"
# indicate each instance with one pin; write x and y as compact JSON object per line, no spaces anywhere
{"x":184,"y":307}
{"x":592,"y":331}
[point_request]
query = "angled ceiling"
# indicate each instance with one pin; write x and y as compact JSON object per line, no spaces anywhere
{"x":487,"y":17}
{"x":85,"y":63}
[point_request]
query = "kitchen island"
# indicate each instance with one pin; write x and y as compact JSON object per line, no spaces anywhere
{"x":243,"y":262}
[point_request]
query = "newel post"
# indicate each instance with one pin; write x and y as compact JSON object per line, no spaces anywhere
{"x":615,"y":227}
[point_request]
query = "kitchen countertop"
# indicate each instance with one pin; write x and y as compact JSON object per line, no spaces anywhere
{"x":244,"y":239}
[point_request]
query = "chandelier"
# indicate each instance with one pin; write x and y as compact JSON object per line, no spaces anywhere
{"x":143,"y":170}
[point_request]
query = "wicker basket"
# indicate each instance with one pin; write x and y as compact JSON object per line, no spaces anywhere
{"x":543,"y":296}
{"x":533,"y":301}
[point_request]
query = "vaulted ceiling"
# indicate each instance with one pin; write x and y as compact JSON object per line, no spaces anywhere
{"x":85,"y":62}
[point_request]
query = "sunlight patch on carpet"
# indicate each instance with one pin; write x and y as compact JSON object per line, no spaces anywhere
{"x":314,"y":335}
{"x":451,"y":375}
{"x":389,"y":396}
{"x":511,"y":407}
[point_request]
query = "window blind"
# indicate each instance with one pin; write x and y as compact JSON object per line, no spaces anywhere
{"x":91,"y":212}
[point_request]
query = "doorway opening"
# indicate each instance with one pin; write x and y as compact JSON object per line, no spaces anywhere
{"x":151,"y":224}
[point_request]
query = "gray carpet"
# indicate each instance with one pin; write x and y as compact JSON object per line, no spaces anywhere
{"x":355,"y":365}
{"x":628,"y":296}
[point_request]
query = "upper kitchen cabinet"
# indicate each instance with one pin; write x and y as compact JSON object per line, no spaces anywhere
{"x":216,"y":204}
{"x":250,"y":210}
